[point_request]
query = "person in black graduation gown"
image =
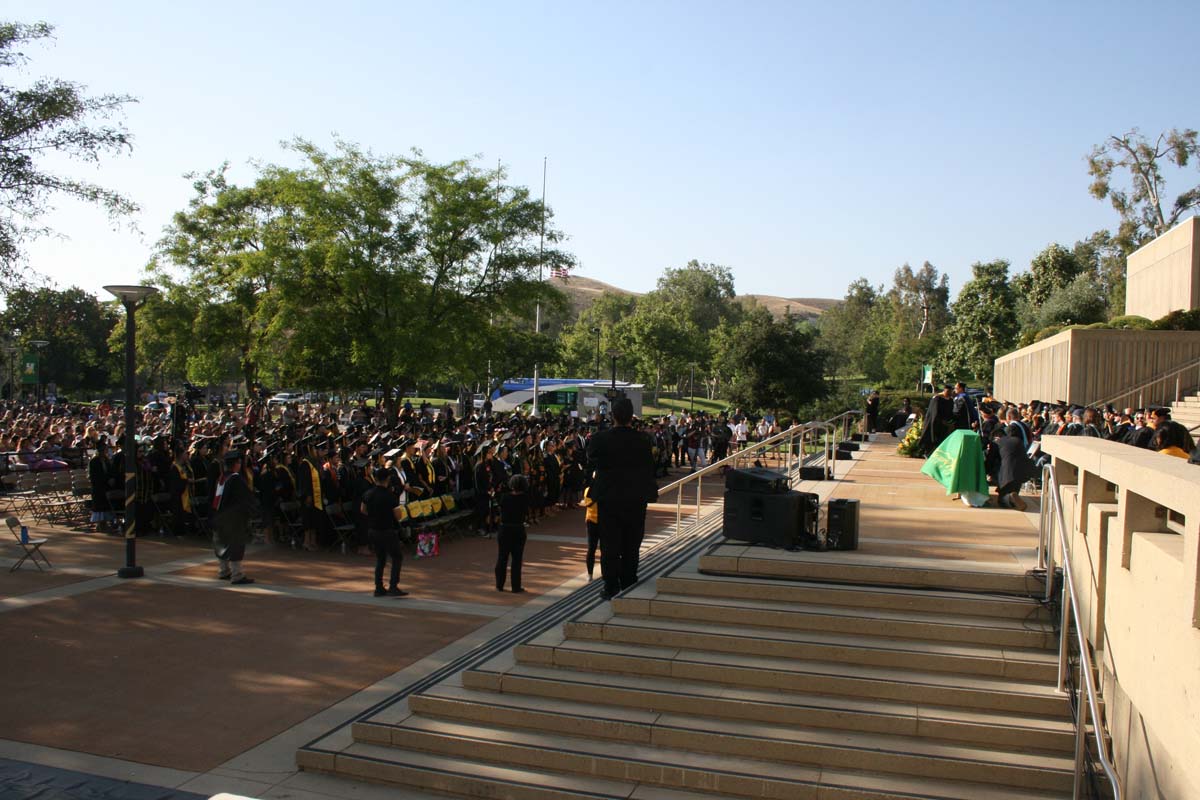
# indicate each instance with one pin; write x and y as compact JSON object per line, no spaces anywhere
{"x":939,"y":420}
{"x":623,"y":463}
{"x":514,"y":507}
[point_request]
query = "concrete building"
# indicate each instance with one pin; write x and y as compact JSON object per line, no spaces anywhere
{"x":1164,"y":275}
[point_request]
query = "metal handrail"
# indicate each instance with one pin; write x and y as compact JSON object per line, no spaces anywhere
{"x":1070,"y":605}
{"x":1141,"y":386}
{"x":758,"y":447}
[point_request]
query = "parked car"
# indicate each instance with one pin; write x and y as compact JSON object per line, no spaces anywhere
{"x":283,"y":398}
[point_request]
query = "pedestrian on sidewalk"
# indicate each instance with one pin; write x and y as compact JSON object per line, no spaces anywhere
{"x":233,"y":507}
{"x":514,"y":506}
{"x":379,"y":507}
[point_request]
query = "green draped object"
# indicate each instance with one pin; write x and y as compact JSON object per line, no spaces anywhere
{"x":957,"y":464}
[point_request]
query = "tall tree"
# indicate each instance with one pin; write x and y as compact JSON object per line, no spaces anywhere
{"x":1050,"y":270}
{"x":76,"y":325}
{"x":1141,"y":196}
{"x":984,"y":327}
{"x":920,"y":301}
{"x":45,"y":118}
{"x":773,"y":364}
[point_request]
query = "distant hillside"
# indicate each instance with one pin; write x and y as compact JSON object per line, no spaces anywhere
{"x":583,"y":291}
{"x":811,"y":307}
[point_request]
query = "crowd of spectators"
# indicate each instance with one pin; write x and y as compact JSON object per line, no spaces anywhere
{"x":321,"y":457}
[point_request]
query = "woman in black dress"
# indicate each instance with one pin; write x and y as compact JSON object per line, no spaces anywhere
{"x":99,"y":476}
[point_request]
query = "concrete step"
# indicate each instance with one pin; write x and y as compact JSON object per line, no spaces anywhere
{"x":1010,"y":662}
{"x":933,"y":626}
{"x":860,"y":569}
{"x":463,"y":777}
{"x":728,"y":760}
{"x":683,"y":582}
{"x":799,"y":707}
{"x":623,"y":722}
{"x":820,"y":677}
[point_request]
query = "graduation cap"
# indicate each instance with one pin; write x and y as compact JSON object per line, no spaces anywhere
{"x":482,"y":448}
{"x":232,"y":456}
{"x":391,"y":455}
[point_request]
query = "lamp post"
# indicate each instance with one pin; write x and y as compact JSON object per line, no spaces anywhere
{"x":692,"y":387}
{"x":12,"y":350}
{"x":131,"y":297}
{"x":614,"y":354}
{"x":37,"y":387}
{"x":596,"y":371}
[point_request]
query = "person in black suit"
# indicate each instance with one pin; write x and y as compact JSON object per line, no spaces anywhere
{"x":623,"y":483}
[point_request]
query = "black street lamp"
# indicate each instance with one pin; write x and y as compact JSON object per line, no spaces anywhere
{"x":12,"y":350}
{"x":614,"y":354}
{"x":39,"y":344}
{"x":131,"y":297}
{"x":596,"y":372}
{"x":692,"y":386}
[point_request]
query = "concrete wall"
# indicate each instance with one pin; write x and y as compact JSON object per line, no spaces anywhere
{"x":1134,"y":520}
{"x":1093,"y":366}
{"x":1164,"y":275}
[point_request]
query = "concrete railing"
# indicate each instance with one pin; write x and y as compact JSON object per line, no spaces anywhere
{"x":1133,"y":518}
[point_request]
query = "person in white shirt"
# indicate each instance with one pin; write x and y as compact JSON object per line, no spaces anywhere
{"x":740,"y":432}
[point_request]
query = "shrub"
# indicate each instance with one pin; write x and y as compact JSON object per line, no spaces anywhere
{"x":1130,"y":322}
{"x":1179,"y":321}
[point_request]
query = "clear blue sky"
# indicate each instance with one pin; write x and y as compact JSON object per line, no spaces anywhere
{"x":801,"y":144}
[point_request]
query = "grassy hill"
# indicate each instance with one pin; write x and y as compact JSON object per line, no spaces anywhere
{"x":583,"y":291}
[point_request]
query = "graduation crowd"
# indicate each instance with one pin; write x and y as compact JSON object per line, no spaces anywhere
{"x":1011,"y":433}
{"x":305,"y":473}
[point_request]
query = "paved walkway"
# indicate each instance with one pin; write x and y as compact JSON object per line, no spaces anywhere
{"x":184,"y":683}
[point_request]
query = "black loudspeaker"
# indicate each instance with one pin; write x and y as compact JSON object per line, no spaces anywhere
{"x":757,"y":480}
{"x":814,"y":473}
{"x":785,"y":520}
{"x":848,"y":446}
{"x":860,"y":437}
{"x":842,"y":533}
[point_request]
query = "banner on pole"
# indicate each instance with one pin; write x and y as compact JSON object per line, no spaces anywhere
{"x":29,"y":368}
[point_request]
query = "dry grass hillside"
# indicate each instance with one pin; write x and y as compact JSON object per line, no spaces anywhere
{"x":583,"y":291}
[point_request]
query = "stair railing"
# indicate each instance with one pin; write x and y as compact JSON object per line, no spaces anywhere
{"x":1158,"y":382}
{"x":788,"y":446}
{"x":1086,"y":701}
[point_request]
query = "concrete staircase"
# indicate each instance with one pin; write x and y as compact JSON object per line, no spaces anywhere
{"x":749,"y":672}
{"x":1187,"y":411}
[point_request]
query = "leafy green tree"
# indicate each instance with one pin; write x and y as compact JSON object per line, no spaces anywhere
{"x":1080,"y":302}
{"x":232,"y":245}
{"x":580,"y":342}
{"x":1141,"y":199}
{"x":858,"y":332}
{"x":984,"y":327}
{"x":920,"y":301}
{"x":76,"y":325}
{"x":1103,"y":256}
{"x":44,"y":119}
{"x":773,"y":364}
{"x":662,"y":340}
{"x":1051,"y":270}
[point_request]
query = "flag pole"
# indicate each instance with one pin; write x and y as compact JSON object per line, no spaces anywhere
{"x":537,"y":314}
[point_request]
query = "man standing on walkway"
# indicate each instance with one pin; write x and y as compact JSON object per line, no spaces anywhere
{"x":623,"y":461}
{"x":233,"y":507}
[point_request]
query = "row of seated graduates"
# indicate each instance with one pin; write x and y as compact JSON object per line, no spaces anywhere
{"x":324,"y":466}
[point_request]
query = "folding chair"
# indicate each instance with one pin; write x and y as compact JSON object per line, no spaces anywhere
{"x":343,"y":524}
{"x":32,"y":548}
{"x":164,"y":517}
{"x":294,"y":521}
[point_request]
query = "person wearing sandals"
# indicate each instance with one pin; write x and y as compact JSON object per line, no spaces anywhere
{"x":234,"y":505}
